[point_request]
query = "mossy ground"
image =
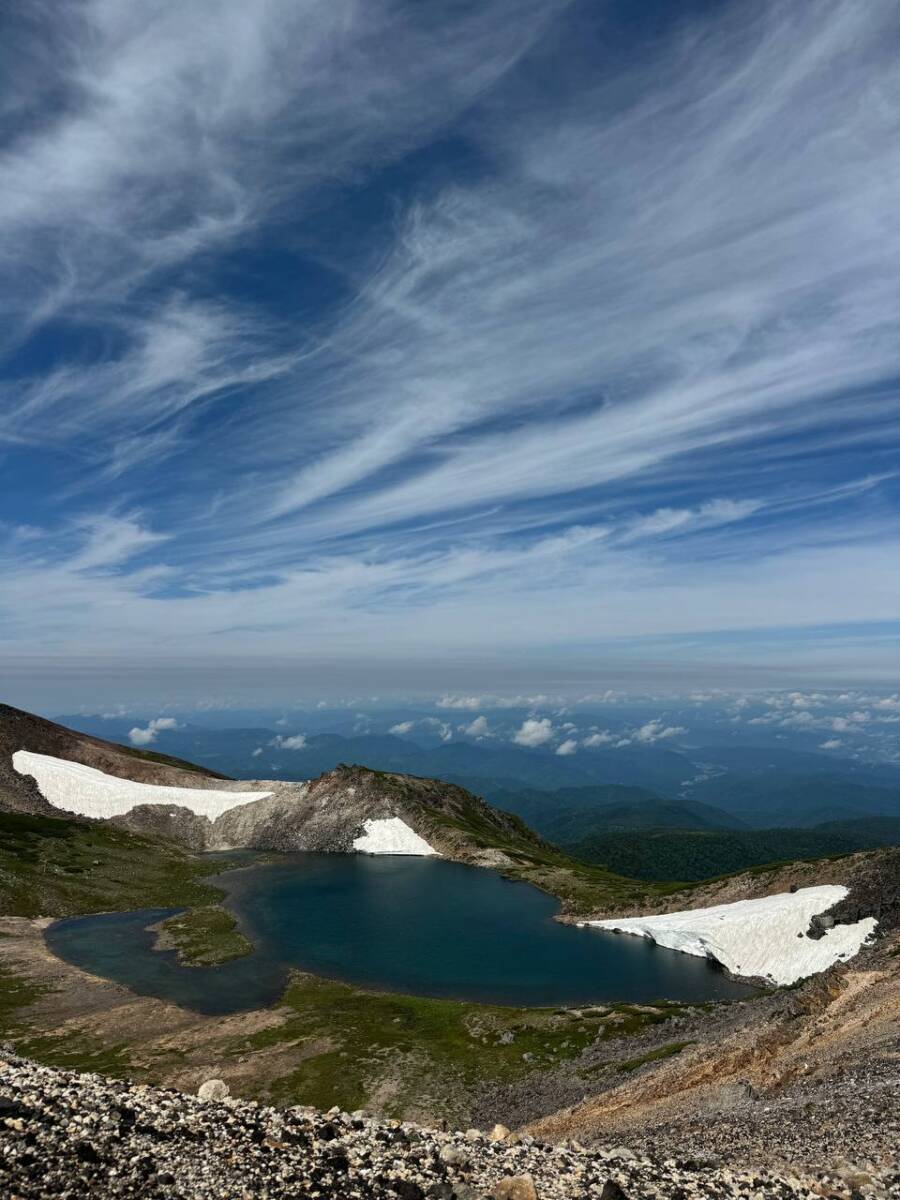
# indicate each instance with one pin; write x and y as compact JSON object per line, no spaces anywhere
{"x":206,"y":936}
{"x":412,"y":1052}
{"x":669,"y":1050}
{"x":55,"y":867}
{"x":16,"y":997}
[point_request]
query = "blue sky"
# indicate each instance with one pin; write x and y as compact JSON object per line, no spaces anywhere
{"x":511,"y":343}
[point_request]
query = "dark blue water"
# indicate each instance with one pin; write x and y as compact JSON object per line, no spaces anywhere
{"x":420,"y":926}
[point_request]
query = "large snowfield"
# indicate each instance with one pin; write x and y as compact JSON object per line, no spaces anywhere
{"x":391,"y":836}
{"x":763,"y":938}
{"x":92,"y":793}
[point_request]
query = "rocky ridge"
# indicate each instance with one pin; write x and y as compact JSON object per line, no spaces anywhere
{"x":325,"y":814}
{"x":68,"y":1135}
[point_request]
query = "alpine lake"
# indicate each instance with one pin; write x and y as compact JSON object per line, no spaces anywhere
{"x":417,"y":926}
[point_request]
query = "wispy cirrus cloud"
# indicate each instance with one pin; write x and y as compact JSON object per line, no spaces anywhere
{"x":396,"y":334}
{"x":694,"y":311}
{"x":174,"y":133}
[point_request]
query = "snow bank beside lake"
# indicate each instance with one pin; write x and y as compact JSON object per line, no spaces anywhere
{"x":765,"y":937}
{"x":391,"y":836}
{"x":92,"y":793}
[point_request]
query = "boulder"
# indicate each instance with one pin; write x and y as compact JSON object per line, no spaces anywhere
{"x":454,"y":1156}
{"x":213,"y":1089}
{"x":515,"y":1187}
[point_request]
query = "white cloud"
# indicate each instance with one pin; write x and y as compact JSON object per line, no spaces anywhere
{"x":602,"y":737}
{"x":477,"y":728}
{"x":670,"y":520}
{"x":569,"y":746}
{"x":111,"y":540}
{"x":443,"y":729}
{"x":470,"y":702}
{"x":534,"y":731}
{"x":146,"y":736}
{"x":656,"y":731}
{"x":799,"y":720}
{"x":257,"y":752}
{"x":402,"y":727}
{"x":831,"y":744}
{"x":296,"y":741}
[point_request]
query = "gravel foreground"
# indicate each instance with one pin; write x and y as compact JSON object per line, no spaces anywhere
{"x":74,"y":1136}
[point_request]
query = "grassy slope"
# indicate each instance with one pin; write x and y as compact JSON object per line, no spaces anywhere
{"x":408,"y":1057}
{"x":54,"y":867}
{"x":580,"y":886}
{"x":427,"y":1052}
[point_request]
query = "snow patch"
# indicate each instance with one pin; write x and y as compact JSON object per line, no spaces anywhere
{"x":391,"y":836}
{"x":764,"y":937}
{"x":92,"y":793}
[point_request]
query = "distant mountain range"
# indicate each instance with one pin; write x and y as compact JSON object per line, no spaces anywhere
{"x":567,"y":813}
{"x":233,"y":752}
{"x":758,"y":786}
{"x":701,"y":811}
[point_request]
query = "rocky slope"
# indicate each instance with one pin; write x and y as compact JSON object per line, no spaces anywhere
{"x":66,"y":1135}
{"x":808,"y":1077}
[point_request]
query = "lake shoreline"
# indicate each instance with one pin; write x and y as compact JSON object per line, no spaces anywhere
{"x":290,"y":1051}
{"x":407,"y":926}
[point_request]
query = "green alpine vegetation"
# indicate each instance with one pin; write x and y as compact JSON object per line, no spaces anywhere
{"x":58,"y":867}
{"x":693,"y":855}
{"x":350,"y":1041}
{"x":203,"y":937}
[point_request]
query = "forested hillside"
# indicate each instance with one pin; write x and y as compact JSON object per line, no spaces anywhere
{"x":689,"y":854}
